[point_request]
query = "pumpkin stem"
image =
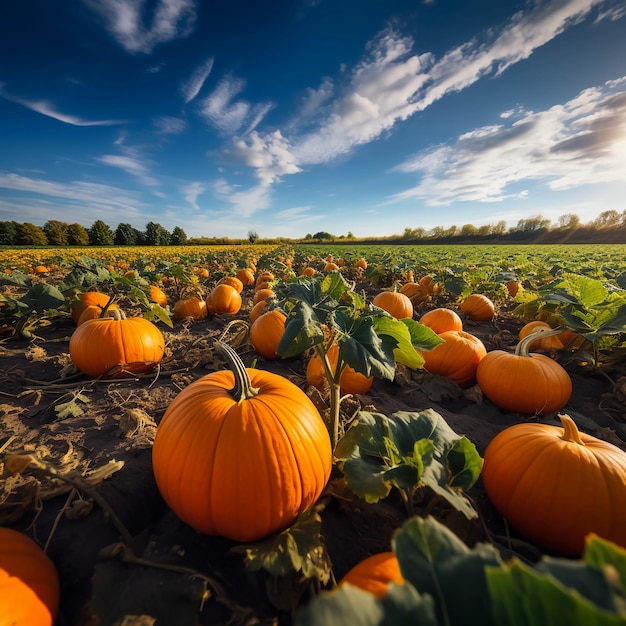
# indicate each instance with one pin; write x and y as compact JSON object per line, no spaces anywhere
{"x":243,"y":389}
{"x":570,"y":430}
{"x":522,"y":348}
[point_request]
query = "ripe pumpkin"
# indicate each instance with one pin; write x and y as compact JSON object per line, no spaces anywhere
{"x":241,"y":453}
{"x":513,"y":286}
{"x":223,"y":298}
{"x":524,"y":382}
{"x":457,"y":358}
{"x":257,"y":310}
{"x":556,"y":485}
{"x":192,"y":307}
{"x":374,"y":574}
{"x":331,"y":267}
{"x":158,"y":295}
{"x":266,"y":332}
{"x":246,"y":276}
{"x":233,"y":281}
{"x":395,"y":303}
{"x":308,"y":271}
{"x":117,"y":346}
{"x":265,"y":277}
{"x":415,"y":293}
{"x":349,"y":382}
{"x":29,"y":582}
{"x":478,"y":308}
{"x":362,"y":263}
{"x":262,"y":294}
{"x":543,"y":344}
{"x":85,"y":299}
{"x":441,"y":320}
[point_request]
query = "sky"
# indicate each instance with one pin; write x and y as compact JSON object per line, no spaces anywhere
{"x":291,"y":117}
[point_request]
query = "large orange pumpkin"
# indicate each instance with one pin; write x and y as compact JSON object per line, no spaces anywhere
{"x":441,"y":320}
{"x":457,"y":358}
{"x":350,"y":381}
{"x":192,"y":307}
{"x":85,"y":299}
{"x":374,"y":574}
{"x":478,"y":308}
{"x":266,"y":332}
{"x":524,"y":382}
{"x":29,"y":582}
{"x":556,"y":485}
{"x":223,"y":298}
{"x":395,"y":303}
{"x":241,"y":453}
{"x":117,"y":346}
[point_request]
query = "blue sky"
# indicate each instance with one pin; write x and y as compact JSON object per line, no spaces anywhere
{"x":293,"y":117}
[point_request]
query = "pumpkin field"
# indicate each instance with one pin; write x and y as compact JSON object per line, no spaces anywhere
{"x":315,"y":435}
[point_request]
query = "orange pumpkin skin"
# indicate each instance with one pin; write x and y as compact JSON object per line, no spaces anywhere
{"x":223,"y":299}
{"x":92,"y":312}
{"x":233,"y":281}
{"x":441,"y":320}
{"x":246,"y":276}
{"x":262,"y":294}
{"x":478,"y":308}
{"x":192,"y":307}
{"x":124,"y":347}
{"x":350,"y":381}
{"x":257,"y":310}
{"x":29,"y":582}
{"x":241,"y":469}
{"x":530,"y":384}
{"x":415,"y":293}
{"x":88,"y":298}
{"x":546,"y":344}
{"x":555,"y":485}
{"x":395,"y":303}
{"x":158,"y":295}
{"x":457,"y":358}
{"x":374,"y":574}
{"x":266,"y":332}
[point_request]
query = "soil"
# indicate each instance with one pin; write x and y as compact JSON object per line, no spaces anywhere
{"x":118,"y":422}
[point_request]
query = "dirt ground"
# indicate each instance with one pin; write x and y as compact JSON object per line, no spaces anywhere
{"x":39,"y":389}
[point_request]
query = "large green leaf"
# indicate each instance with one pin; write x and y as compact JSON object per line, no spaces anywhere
{"x":404,"y":352}
{"x":302,"y":331}
{"x":16,"y":278}
{"x":41,"y":297}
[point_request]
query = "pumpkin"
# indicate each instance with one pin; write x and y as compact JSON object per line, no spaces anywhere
{"x":556,"y":485}
{"x":266,"y":332}
{"x":223,"y":298}
{"x":478,"y":308}
{"x":513,"y":286}
{"x":29,"y":582}
{"x":415,"y":293}
{"x":117,"y":346}
{"x":374,"y":574}
{"x":262,"y":294}
{"x":308,"y":271}
{"x":331,"y":267}
{"x":158,"y":295}
{"x":349,"y":382}
{"x":41,"y":269}
{"x":233,"y":281}
{"x":441,"y":320}
{"x":262,"y":285}
{"x":457,"y":358}
{"x":192,"y":307}
{"x":395,"y":303}
{"x":246,"y":276}
{"x":265,"y":277}
{"x":362,"y":263}
{"x":543,"y":344}
{"x":241,"y":453}
{"x":257,"y":310}
{"x":524,"y":382}
{"x":85,"y":299}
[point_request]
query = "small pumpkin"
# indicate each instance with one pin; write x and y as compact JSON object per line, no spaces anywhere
{"x":117,"y":346}
{"x":233,"y":281}
{"x":262,"y":294}
{"x":265,"y":277}
{"x":350,"y":380}
{"x":241,"y":453}
{"x":441,"y":320}
{"x":374,"y":574}
{"x":331,"y":267}
{"x":266,"y":332}
{"x":457,"y":358}
{"x":223,"y":298}
{"x":246,"y":276}
{"x":192,"y":307}
{"x":93,"y":312}
{"x":158,"y":295}
{"x":257,"y":310}
{"x":415,"y":293}
{"x":556,"y":485}
{"x":29,"y":582}
{"x":85,"y":299}
{"x":362,"y":263}
{"x":308,"y":271}
{"x":395,"y":303}
{"x":478,"y":307}
{"x":524,"y":382}
{"x":543,"y":344}
{"x":513,"y":287}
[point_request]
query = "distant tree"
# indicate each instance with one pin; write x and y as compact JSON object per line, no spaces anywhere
{"x":350,"y":235}
{"x":156,"y":235}
{"x":30,"y":235}
{"x":56,"y":232}
{"x":469,"y":230}
{"x":308,"y":236}
{"x":125,"y":235}
{"x":323,"y":235}
{"x":253,"y":236}
{"x":533,"y":224}
{"x":77,"y":235}
{"x":8,"y":233}
{"x":607,"y":219}
{"x":499,"y":228}
{"x":179,"y":237}
{"x":100,"y":234}
{"x":485,"y":230}
{"x":569,"y":221}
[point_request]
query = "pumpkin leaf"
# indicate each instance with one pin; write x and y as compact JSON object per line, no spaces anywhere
{"x":157,"y":312}
{"x":16,"y":278}
{"x":299,"y":548}
{"x":302,"y":331}
{"x":609,"y":557}
{"x":42,"y":296}
{"x":406,"y":451}
{"x":404,"y":352}
{"x":71,"y":408}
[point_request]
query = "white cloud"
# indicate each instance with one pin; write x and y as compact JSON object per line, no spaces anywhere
{"x":170,"y":19}
{"x":192,"y":86}
{"x":580,"y":142}
{"x":191,"y":192}
{"x":296,"y":212}
{"x":170,"y":125}
{"x":243,"y":203}
{"x":132,"y":166}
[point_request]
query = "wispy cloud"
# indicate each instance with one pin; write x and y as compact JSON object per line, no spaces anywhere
{"x":47,"y":109}
{"x":191,"y":192}
{"x":243,"y":203}
{"x":132,"y":166}
{"x":191,"y":87}
{"x":168,"y":20}
{"x":580,"y":142}
{"x":169,"y":125}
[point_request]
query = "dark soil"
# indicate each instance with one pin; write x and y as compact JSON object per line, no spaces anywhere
{"x":119,"y":421}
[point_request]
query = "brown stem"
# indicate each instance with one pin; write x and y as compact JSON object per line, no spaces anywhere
{"x":243,"y":389}
{"x":570,"y":430}
{"x":522,"y":348}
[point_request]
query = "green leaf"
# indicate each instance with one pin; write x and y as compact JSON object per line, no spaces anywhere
{"x":437,"y":563}
{"x":422,"y":337}
{"x":16,"y":278}
{"x":41,"y":297}
{"x":404,"y":352}
{"x":157,"y":312}
{"x":302,"y":331}
{"x":609,"y":557}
